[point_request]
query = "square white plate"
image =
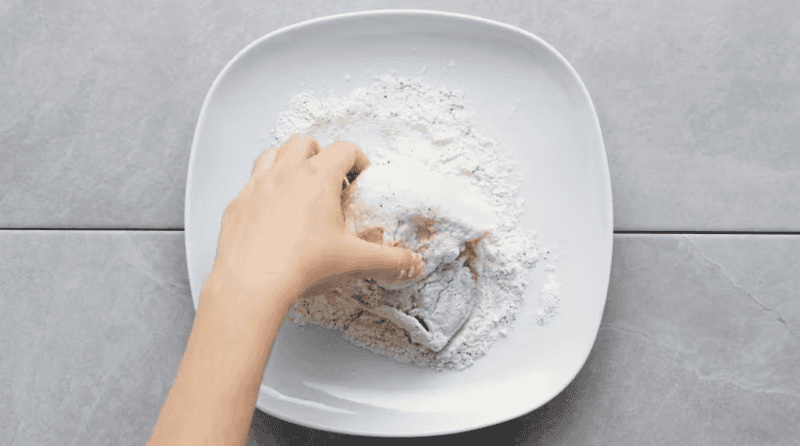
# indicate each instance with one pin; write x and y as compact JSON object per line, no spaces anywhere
{"x":526,"y":95}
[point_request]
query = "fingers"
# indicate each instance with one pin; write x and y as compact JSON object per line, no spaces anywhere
{"x":339,"y":158}
{"x":386,"y":262}
{"x":303,"y":147}
{"x":266,"y":159}
{"x":297,"y":148}
{"x":338,"y":161}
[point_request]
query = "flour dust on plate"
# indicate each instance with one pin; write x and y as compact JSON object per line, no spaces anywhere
{"x":439,"y":187}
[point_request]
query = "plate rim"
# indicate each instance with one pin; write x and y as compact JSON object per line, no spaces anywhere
{"x":202,"y":118}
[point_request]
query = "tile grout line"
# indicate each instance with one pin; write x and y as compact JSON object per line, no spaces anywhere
{"x":97,"y":229}
{"x":706,"y":233}
{"x":621,"y":232}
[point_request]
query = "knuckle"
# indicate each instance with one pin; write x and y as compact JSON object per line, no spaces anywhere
{"x":259,"y":181}
{"x":303,"y":141}
{"x":349,"y":148}
{"x":233,"y":207}
{"x":309,"y":141}
{"x":261,"y":162}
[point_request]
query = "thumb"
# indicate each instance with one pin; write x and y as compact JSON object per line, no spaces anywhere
{"x":381,"y":261}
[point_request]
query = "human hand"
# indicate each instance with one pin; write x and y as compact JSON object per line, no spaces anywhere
{"x":286,"y":229}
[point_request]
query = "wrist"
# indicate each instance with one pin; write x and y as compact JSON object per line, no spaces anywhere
{"x":231,"y":300}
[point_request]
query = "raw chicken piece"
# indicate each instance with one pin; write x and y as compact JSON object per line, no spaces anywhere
{"x":443,"y":219}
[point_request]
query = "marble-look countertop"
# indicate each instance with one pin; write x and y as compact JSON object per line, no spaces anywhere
{"x":698,"y":103}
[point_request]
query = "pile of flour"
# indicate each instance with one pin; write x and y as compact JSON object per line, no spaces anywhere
{"x":405,"y":118}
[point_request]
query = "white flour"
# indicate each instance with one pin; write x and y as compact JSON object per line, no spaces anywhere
{"x":551,"y":299}
{"x":407,"y":119}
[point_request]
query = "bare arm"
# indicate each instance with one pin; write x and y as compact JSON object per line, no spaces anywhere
{"x":214,"y":395}
{"x":284,"y":235}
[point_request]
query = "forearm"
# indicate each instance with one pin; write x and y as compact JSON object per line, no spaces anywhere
{"x":214,"y":395}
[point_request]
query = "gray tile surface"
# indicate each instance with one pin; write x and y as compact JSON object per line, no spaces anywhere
{"x":94,"y":326}
{"x":700,"y":341}
{"x":699,"y":345}
{"x":697,"y":101}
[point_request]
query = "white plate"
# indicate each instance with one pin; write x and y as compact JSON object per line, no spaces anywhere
{"x":525,"y":93}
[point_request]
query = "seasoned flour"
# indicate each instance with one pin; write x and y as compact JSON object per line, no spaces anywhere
{"x":473,"y":286}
